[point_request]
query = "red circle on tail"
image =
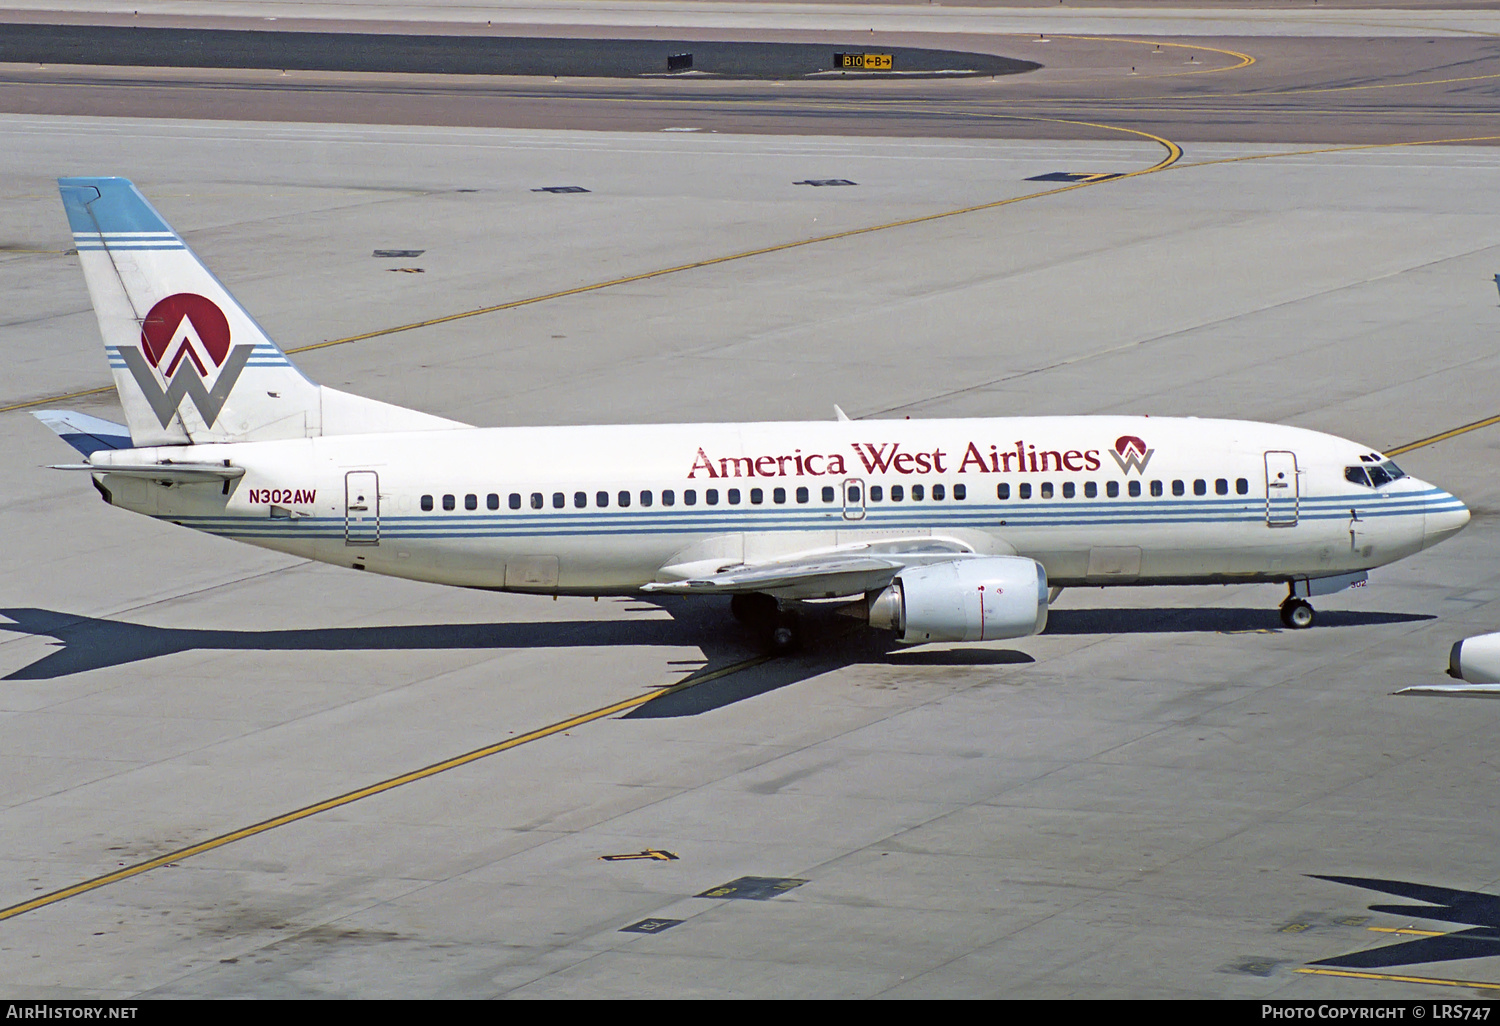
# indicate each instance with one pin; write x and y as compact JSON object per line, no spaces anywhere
{"x":1125,"y":443}
{"x":165,"y":321}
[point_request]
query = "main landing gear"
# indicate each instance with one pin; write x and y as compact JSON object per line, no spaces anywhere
{"x":1297,"y":613}
{"x":779,"y":630}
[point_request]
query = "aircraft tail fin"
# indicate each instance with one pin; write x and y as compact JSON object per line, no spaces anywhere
{"x":190,"y":363}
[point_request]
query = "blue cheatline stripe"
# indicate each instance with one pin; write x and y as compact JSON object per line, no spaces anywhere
{"x":262,"y":356}
{"x":540,"y":523}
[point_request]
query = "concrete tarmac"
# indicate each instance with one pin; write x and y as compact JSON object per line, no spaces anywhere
{"x":1138,"y":803}
{"x":1165,"y":795}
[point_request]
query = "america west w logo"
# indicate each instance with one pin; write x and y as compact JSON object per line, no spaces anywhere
{"x":180,"y":338}
{"x":1131,"y":453}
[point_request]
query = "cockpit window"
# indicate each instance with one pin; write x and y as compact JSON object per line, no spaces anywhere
{"x":1378,"y":476}
{"x":1356,"y":475}
{"x":1390,"y":468}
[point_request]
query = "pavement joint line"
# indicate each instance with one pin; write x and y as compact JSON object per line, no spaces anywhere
{"x":1436,"y":981}
{"x":390,"y":783}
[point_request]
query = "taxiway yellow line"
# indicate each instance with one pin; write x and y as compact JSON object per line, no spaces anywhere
{"x":1436,"y":981}
{"x":1443,"y":436}
{"x":1245,"y":60}
{"x":1406,"y":930}
{"x":383,"y":786}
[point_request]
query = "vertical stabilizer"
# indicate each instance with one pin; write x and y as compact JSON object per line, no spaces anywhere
{"x":191,"y":365}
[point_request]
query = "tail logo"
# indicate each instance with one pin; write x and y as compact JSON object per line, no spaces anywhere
{"x":1131,"y":453}
{"x":185,"y":346}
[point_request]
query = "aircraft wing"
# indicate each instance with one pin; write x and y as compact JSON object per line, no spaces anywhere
{"x":825,"y":576}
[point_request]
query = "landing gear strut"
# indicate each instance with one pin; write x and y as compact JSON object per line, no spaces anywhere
{"x":1297,"y":614}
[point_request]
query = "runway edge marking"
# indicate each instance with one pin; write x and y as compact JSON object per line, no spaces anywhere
{"x":125,"y":873}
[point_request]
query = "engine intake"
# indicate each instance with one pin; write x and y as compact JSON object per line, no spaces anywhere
{"x":984,"y":599}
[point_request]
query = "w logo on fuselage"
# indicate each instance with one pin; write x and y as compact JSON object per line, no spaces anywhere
{"x":184,"y":343}
{"x":1131,"y":453}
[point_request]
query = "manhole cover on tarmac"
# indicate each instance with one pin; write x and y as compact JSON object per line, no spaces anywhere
{"x":755,"y":888}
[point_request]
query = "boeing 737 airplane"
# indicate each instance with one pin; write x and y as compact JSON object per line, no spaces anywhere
{"x":939,"y":530}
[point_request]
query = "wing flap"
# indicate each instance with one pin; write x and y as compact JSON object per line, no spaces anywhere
{"x":825,"y":577}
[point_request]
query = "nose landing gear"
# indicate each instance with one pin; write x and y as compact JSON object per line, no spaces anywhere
{"x":1297,"y":614}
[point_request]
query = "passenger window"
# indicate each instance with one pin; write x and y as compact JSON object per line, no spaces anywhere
{"x":802,"y":495}
{"x":426,"y":504}
{"x":690,"y":497}
{"x":471,"y":501}
{"x":1221,"y":487}
{"x":559,"y":500}
{"x":1135,"y":489}
{"x":601,"y":499}
{"x":1090,"y":489}
{"x":1112,"y":489}
{"x":960,"y":493}
{"x":1356,"y":475}
{"x":897,"y":493}
{"x":449,"y":502}
{"x":1241,"y":486}
{"x":1024,"y":491}
{"x":853,"y":494}
{"x":733,"y":496}
{"x":939,"y":492}
{"x":1200,"y":487}
{"x":645,"y":498}
{"x":668,"y":497}
{"x":1002,"y":491}
{"x":1046,"y":489}
{"x":1178,"y":488}
{"x":536,"y":500}
{"x":916,"y":493}
{"x":711,"y":497}
{"x":827,"y":493}
{"x":623,"y":499}
{"x":778,"y":496}
{"x":515,"y":500}
{"x":1155,"y":488}
{"x":492,"y":501}
{"x":1067,"y":489}
{"x":580,"y":499}
{"x":877,"y":493}
{"x":757,"y":496}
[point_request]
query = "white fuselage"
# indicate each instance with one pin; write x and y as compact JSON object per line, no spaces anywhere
{"x":605,"y":510}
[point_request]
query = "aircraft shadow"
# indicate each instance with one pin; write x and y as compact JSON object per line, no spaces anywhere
{"x":1480,"y":912}
{"x":1203,"y":620}
{"x":93,"y":643}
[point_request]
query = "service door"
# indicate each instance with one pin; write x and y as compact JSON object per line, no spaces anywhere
{"x":361,"y":508}
{"x":1281,"y":489}
{"x":854,"y":499}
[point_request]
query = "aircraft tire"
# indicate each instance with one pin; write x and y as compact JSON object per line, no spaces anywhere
{"x":1297,"y":615}
{"x":784,"y":634}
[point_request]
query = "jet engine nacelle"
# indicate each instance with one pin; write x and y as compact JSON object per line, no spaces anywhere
{"x":1476,"y":659}
{"x":983,"y":599}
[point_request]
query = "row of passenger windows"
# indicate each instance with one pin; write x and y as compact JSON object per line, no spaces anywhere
{"x":711,"y":497}
{"x":1112,"y":488}
{"x":779,"y":496}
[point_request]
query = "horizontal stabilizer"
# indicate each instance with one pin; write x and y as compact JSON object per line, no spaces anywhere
{"x":181,"y":473}
{"x":86,"y":434}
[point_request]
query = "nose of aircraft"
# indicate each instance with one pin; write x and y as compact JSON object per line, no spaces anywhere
{"x":1445,"y":516}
